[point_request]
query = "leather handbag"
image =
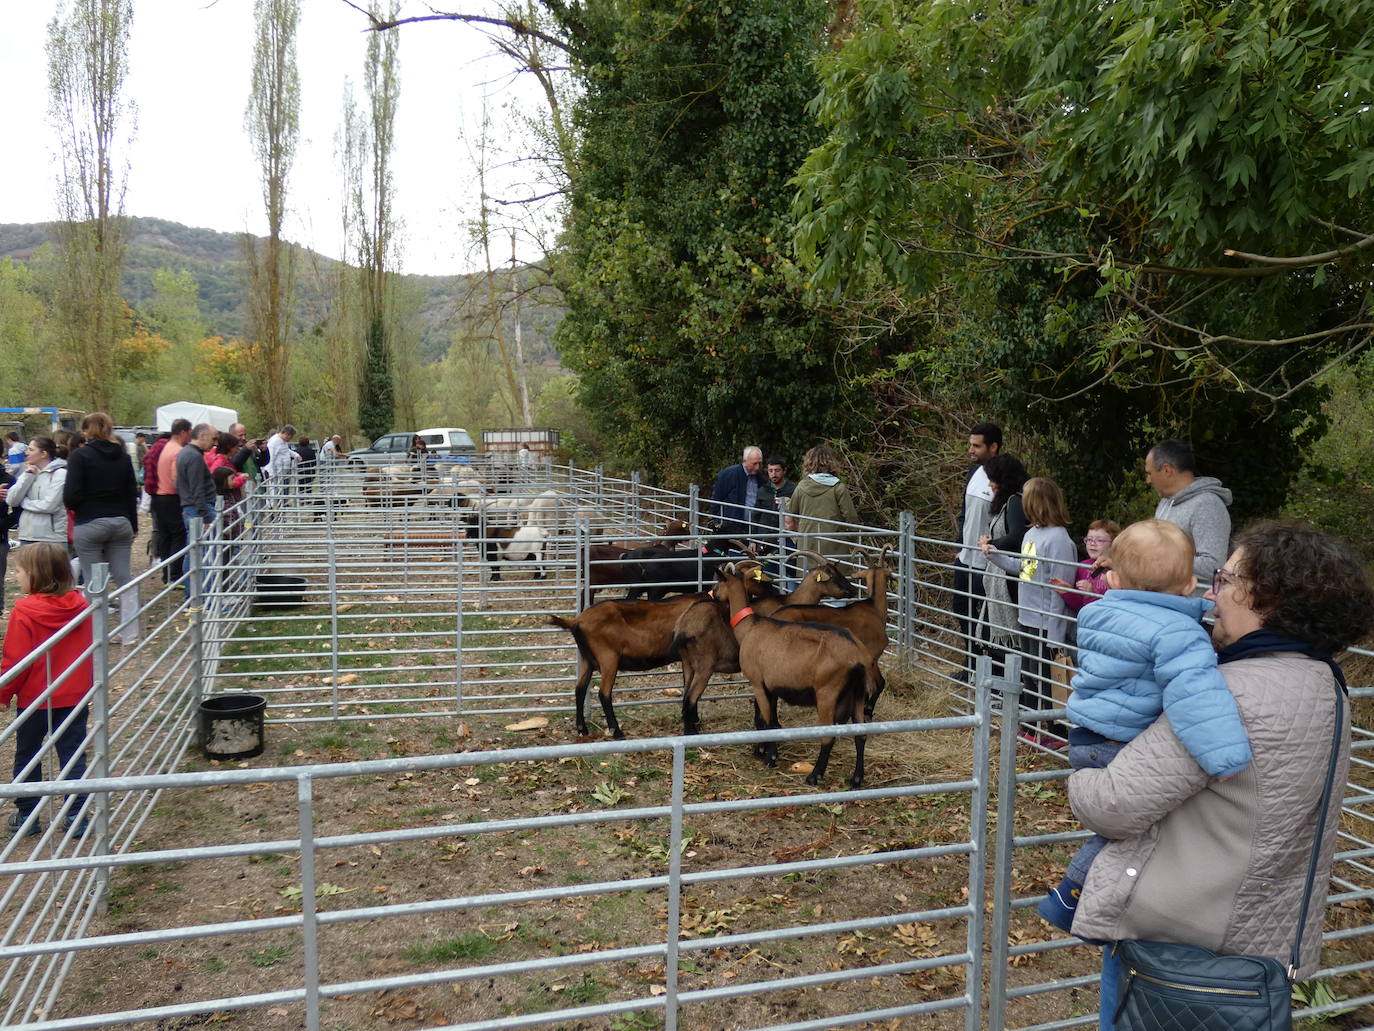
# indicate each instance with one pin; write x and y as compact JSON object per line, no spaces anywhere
{"x":1167,"y":986}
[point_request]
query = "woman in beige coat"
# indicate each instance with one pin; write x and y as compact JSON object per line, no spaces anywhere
{"x":1222,"y":864}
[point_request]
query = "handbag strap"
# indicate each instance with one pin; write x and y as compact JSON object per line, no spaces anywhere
{"x":1321,"y":831}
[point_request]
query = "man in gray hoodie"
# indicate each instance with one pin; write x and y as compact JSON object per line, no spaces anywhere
{"x":1196,"y":503}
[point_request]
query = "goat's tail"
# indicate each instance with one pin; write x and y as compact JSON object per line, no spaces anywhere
{"x":559,"y":621}
{"x":856,"y":687}
{"x":579,"y":638}
{"x":680,"y":641}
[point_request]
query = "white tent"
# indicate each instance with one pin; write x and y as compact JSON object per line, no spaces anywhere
{"x":220,"y":418}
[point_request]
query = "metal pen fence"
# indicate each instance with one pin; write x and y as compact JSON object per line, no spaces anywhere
{"x":366,"y":596}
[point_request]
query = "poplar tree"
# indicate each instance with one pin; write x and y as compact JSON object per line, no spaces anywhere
{"x":87,"y":47}
{"x":272,"y":122}
{"x":369,"y":137}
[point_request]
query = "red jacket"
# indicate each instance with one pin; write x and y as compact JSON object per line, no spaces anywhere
{"x":150,"y":465}
{"x":213,"y":459}
{"x":34,"y":619}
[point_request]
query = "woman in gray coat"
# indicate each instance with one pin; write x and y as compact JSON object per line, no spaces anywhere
{"x":1222,"y":864}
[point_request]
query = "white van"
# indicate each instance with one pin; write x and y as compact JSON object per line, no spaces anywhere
{"x":449,"y":442}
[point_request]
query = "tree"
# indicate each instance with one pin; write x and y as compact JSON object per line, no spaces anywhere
{"x":1044,"y":201}
{"x":688,"y":326}
{"x":87,"y":62}
{"x":272,"y":121}
{"x":369,"y":144}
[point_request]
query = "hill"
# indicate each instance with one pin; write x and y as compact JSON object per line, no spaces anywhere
{"x":216,"y":260}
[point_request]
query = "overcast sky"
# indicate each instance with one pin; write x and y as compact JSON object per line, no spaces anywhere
{"x":190,"y":65}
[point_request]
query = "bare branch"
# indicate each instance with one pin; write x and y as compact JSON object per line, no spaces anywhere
{"x":531,"y":200}
{"x":1325,"y":257}
{"x":515,"y":25}
{"x":1305,"y":338}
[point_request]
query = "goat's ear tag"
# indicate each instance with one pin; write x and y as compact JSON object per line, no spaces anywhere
{"x":757,"y":574}
{"x":821,"y":578}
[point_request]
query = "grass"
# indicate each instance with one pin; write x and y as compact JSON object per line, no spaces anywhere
{"x":471,"y":946}
{"x":270,"y":956}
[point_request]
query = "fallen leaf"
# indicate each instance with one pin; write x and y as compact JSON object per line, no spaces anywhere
{"x":533,"y":723}
{"x":657,"y":989}
{"x":802,"y":767}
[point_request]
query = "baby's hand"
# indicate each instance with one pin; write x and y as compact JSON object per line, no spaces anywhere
{"x":1054,"y":581}
{"x":1084,"y":585}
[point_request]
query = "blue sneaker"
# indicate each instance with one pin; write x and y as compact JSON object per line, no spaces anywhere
{"x":16,"y":822}
{"x":1059,"y":906}
{"x":77,"y":823}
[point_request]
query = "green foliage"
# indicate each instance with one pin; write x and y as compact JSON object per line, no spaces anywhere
{"x":688,"y":326}
{"x":1015,"y":192}
{"x":376,"y":401}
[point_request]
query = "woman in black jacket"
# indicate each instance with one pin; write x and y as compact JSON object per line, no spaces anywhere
{"x":1006,"y":477}
{"x":102,"y":494}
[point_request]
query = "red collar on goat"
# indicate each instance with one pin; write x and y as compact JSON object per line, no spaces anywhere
{"x":748,"y":610}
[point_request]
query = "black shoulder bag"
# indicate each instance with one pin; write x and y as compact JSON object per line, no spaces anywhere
{"x":1166,"y":986}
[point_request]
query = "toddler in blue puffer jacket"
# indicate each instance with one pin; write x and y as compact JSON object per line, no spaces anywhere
{"x":1142,"y":650}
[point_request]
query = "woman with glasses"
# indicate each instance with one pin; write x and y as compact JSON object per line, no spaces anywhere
{"x":1223,"y":863}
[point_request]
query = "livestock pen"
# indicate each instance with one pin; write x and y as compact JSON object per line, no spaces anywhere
{"x":426,"y":844}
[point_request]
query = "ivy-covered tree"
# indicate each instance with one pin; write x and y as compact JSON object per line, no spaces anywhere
{"x":687,"y":322}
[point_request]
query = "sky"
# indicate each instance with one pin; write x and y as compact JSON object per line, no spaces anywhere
{"x":190,"y":67}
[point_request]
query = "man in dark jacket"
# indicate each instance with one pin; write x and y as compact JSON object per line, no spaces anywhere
{"x":984,"y":442}
{"x":736,"y":492}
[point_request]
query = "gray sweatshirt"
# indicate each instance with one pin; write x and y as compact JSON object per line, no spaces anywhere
{"x":1046,"y":551}
{"x":1200,"y":510}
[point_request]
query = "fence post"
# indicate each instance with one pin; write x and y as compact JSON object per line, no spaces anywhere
{"x":331,"y":558}
{"x":458,"y":626}
{"x":98,"y":591}
{"x":906,"y":586}
{"x":305,"y":817}
{"x":978,"y":822}
{"x":674,"y":930}
{"x":635,"y":518}
{"x":693,"y":510}
{"x":583,"y":574}
{"x":600,"y":488}
{"x":1009,"y":689}
{"x":195,"y":608}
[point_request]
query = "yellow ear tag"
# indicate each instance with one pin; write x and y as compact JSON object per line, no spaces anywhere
{"x":821,"y":578}
{"x":757,"y":573}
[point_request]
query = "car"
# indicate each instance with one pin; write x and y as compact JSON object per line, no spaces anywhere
{"x":449,"y":443}
{"x":388,"y":449}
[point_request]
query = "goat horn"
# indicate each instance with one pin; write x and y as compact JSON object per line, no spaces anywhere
{"x":815,"y":555}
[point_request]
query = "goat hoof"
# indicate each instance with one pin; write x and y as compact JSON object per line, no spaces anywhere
{"x":619,"y":735}
{"x":856,"y":782}
{"x":769,"y":762}
{"x":812,"y":779}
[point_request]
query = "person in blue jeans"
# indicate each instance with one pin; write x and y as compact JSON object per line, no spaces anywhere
{"x":1143,"y":651}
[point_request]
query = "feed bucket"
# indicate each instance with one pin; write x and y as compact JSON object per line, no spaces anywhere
{"x":231,"y":725}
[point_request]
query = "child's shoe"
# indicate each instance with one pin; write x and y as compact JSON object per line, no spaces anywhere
{"x":1059,"y":906}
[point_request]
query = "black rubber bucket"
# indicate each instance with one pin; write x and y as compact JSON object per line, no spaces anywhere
{"x":231,"y":725}
{"x":277,"y":591}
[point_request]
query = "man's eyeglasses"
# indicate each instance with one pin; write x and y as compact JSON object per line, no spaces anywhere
{"x":1223,"y":577}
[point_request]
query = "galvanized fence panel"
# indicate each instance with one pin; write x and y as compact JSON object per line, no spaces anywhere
{"x":369,"y":595}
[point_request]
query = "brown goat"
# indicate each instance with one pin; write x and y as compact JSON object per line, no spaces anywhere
{"x":866,"y":620}
{"x":705,"y":644}
{"x":802,"y":664}
{"x":616,"y":635}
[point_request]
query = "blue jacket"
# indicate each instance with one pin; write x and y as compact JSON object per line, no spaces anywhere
{"x":732,"y":485}
{"x":1141,"y":653}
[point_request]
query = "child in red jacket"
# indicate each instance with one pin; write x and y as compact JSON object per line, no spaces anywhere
{"x":50,"y":601}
